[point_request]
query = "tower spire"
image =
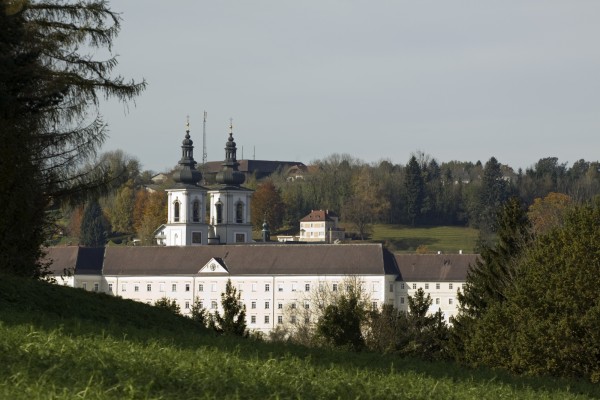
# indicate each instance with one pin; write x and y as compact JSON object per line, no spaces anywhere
{"x":230,"y":175}
{"x":187,"y":173}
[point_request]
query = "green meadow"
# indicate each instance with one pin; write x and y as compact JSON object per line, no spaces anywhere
{"x":447,"y":239}
{"x":63,"y":343}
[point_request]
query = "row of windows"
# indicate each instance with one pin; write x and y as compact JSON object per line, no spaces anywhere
{"x":161,"y":287}
{"x":426,"y":286}
{"x":239,"y":211}
{"x":437,"y":301}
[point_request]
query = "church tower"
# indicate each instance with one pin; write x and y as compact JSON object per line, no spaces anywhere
{"x":186,"y":225}
{"x":230,"y":202}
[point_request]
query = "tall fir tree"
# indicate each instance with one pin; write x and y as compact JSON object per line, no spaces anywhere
{"x":49,"y":122}
{"x":93,"y":226}
{"x":233,"y":319}
{"x":414,"y":185}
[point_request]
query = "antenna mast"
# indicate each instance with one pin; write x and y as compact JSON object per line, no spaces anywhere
{"x":204,"y":141}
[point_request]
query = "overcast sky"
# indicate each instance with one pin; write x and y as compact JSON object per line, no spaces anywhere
{"x":458,"y":80}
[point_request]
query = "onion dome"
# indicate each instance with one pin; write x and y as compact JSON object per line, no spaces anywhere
{"x":187,"y":173}
{"x":230,"y":175}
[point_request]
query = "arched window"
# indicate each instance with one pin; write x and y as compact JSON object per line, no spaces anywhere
{"x":196,"y":211}
{"x":219,"y":210}
{"x":176,"y":211}
{"x":239,"y":212}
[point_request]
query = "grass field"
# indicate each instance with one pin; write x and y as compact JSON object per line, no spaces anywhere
{"x":447,"y":239}
{"x":62,"y":343}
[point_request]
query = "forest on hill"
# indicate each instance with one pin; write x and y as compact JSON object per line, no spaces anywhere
{"x":422,"y":192}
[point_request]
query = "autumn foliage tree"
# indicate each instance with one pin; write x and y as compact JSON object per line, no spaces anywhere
{"x":267,"y":205}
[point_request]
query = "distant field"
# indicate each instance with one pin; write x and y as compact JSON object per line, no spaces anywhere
{"x":447,"y":239}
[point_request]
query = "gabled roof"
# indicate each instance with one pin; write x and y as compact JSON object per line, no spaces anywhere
{"x":319,"y":215}
{"x":434,"y":267}
{"x":79,"y":260}
{"x":251,"y":259}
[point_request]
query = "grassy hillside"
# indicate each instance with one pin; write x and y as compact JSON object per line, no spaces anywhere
{"x":447,"y":239}
{"x":64,"y":343}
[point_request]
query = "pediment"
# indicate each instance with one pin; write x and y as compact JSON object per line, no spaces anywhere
{"x":214,"y":266}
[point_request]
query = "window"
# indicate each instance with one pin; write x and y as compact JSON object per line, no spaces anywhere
{"x":253,"y":319}
{"x":201,"y":287}
{"x":84,"y":285}
{"x":239,"y":212}
{"x":307,"y":287}
{"x":267,"y":319}
{"x":414,"y":285}
{"x":280,"y":287}
{"x":293,"y":319}
{"x":123,"y":287}
{"x":427,"y":286}
{"x":401,"y":300}
{"x":437,"y":286}
{"x":267,"y":287}
{"x":174,"y":287}
{"x":136,"y":288}
{"x":450,"y":286}
{"x":213,"y":287}
{"x":391,"y":287}
{"x":334,"y":287}
{"x":176,"y":211}
{"x":280,"y":306}
{"x":437,"y":300}
{"x":293,"y":306}
{"x":96,"y":287}
{"x":219,"y":212}
{"x":450,"y":301}
{"x":306,"y":320}
{"x":110,"y":286}
{"x":213,"y":304}
{"x":374,"y":305}
{"x":195,"y":213}
{"x":253,"y":305}
{"x":402,"y":285}
{"x":375,"y":287}
{"x":267,"y":305}
{"x":240,"y":238}
{"x":294,"y":285}
{"x":196,"y":237}
{"x":254,"y":287}
{"x":149,"y":287}
{"x":187,"y":305}
{"x":306,"y":305}
{"x":200,"y":304}
{"x":187,"y":287}
{"x":280,"y":319}
{"x":161,"y":287}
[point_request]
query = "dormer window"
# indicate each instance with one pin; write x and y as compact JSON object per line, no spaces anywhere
{"x":239,"y":212}
{"x":196,"y":211}
{"x":176,"y":211}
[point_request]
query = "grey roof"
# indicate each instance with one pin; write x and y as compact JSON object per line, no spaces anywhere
{"x":434,"y":267}
{"x":252,"y":259}
{"x":80,"y":260}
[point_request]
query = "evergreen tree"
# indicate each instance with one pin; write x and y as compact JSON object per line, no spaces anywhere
{"x":49,"y":125}
{"x":493,"y":274}
{"x":233,"y":320}
{"x":340,"y":324}
{"x":493,"y":193}
{"x":414,"y":190}
{"x":167,"y":304}
{"x":93,"y":226}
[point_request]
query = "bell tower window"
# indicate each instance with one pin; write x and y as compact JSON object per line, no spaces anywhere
{"x":219,"y":212}
{"x":176,"y":211}
{"x":239,"y":212}
{"x":196,"y":211}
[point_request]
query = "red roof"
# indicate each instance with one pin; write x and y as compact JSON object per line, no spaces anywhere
{"x":319,"y":215}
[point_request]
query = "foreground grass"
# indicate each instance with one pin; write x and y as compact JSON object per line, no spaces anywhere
{"x":447,"y":239}
{"x":64,"y":343}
